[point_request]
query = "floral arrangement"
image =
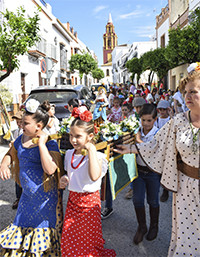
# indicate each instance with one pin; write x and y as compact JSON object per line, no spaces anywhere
{"x":111,"y":131}
{"x":107,"y":131}
{"x":129,"y":124}
{"x":65,"y":125}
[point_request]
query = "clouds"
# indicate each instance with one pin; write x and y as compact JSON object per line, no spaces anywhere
{"x":143,"y":31}
{"x":130,"y":15}
{"x":99,"y":8}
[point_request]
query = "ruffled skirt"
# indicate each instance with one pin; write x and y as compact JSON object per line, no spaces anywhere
{"x":29,"y":242}
{"x":82,"y":230}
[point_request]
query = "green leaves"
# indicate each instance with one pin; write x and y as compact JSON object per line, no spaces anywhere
{"x":83,"y":63}
{"x":18,"y":34}
{"x":98,"y":74}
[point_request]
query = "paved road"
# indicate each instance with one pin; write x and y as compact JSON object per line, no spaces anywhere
{"x":118,"y":229}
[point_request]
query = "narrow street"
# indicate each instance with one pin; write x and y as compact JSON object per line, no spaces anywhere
{"x":118,"y":229}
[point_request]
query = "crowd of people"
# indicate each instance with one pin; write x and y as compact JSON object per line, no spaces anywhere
{"x":167,"y":153}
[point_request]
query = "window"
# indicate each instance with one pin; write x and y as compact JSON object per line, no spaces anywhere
{"x":109,"y":42}
{"x":63,"y":57}
{"x":162,"y":41}
{"x":107,"y":73}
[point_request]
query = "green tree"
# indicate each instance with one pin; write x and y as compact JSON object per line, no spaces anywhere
{"x":135,"y":67}
{"x":84,"y":63}
{"x":17,"y":35}
{"x":147,"y":60}
{"x":184,"y":43}
{"x":98,"y":74}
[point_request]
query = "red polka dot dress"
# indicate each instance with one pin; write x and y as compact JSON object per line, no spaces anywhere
{"x":82,"y":230}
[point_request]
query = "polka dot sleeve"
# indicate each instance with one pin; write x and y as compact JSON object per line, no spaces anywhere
{"x":160,"y":155}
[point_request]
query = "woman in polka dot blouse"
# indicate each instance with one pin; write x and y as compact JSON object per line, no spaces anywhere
{"x":82,"y":231}
{"x":36,"y":230}
{"x":175,"y":153}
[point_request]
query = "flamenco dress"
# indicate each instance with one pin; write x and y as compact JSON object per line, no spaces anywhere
{"x":36,"y":230}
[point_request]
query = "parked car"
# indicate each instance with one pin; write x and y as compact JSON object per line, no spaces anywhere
{"x":60,"y":95}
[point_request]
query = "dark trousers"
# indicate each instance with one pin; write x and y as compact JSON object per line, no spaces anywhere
{"x":147,"y":183}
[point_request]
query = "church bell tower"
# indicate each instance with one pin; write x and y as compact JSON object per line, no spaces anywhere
{"x":109,"y":41}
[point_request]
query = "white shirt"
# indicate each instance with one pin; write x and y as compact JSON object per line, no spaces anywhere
{"x":160,"y":122}
{"x":79,"y":179}
{"x":146,"y":138}
{"x":17,"y":133}
{"x":54,"y":129}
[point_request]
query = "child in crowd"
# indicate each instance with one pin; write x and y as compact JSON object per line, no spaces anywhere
{"x":82,"y":231}
{"x":164,"y":112}
{"x":116,"y":112}
{"x":72,"y":104}
{"x":126,"y":111}
{"x":16,"y":134}
{"x":36,"y":229}
{"x":53,"y":124}
{"x":147,"y":182}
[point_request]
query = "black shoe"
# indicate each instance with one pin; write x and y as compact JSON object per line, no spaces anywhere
{"x":15,"y":204}
{"x":106,"y":213}
{"x":165,"y":195}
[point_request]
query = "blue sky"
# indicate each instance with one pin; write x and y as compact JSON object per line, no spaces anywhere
{"x":134,"y":20}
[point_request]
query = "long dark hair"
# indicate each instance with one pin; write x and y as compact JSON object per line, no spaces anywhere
{"x":41,"y":114}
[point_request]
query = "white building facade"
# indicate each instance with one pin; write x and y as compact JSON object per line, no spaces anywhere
{"x":122,"y":54}
{"x":47,"y":62}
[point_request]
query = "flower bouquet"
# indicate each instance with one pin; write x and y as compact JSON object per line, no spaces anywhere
{"x":129,"y":124}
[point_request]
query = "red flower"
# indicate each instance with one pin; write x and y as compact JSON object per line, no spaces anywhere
{"x":75,"y":112}
{"x":86,"y":116}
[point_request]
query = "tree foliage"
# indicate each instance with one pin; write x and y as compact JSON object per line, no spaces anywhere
{"x":184,"y":43}
{"x":98,"y":74}
{"x":17,"y":35}
{"x":84,"y":63}
{"x":135,"y":67}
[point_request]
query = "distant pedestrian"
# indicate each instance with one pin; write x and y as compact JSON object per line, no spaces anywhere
{"x":52,"y":126}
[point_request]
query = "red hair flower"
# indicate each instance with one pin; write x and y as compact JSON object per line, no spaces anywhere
{"x":75,"y":112}
{"x":86,"y":116}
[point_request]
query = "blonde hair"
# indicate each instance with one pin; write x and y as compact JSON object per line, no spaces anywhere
{"x":190,"y":78}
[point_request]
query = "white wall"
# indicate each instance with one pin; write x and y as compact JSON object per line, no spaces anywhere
{"x":163,"y":29}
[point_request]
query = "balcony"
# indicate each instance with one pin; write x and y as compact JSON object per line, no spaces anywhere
{"x":162,"y":16}
{"x":44,"y":49}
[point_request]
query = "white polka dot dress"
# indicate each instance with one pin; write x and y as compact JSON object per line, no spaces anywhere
{"x":160,"y":155}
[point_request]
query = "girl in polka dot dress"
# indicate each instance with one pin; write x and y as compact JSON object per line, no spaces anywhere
{"x":174,"y":152}
{"x":82,"y":231}
{"x":36,"y":230}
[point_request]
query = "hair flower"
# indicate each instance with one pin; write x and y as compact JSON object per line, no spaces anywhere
{"x":86,"y":116}
{"x":76,"y":112}
{"x":32,"y":105}
{"x":82,"y":113}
